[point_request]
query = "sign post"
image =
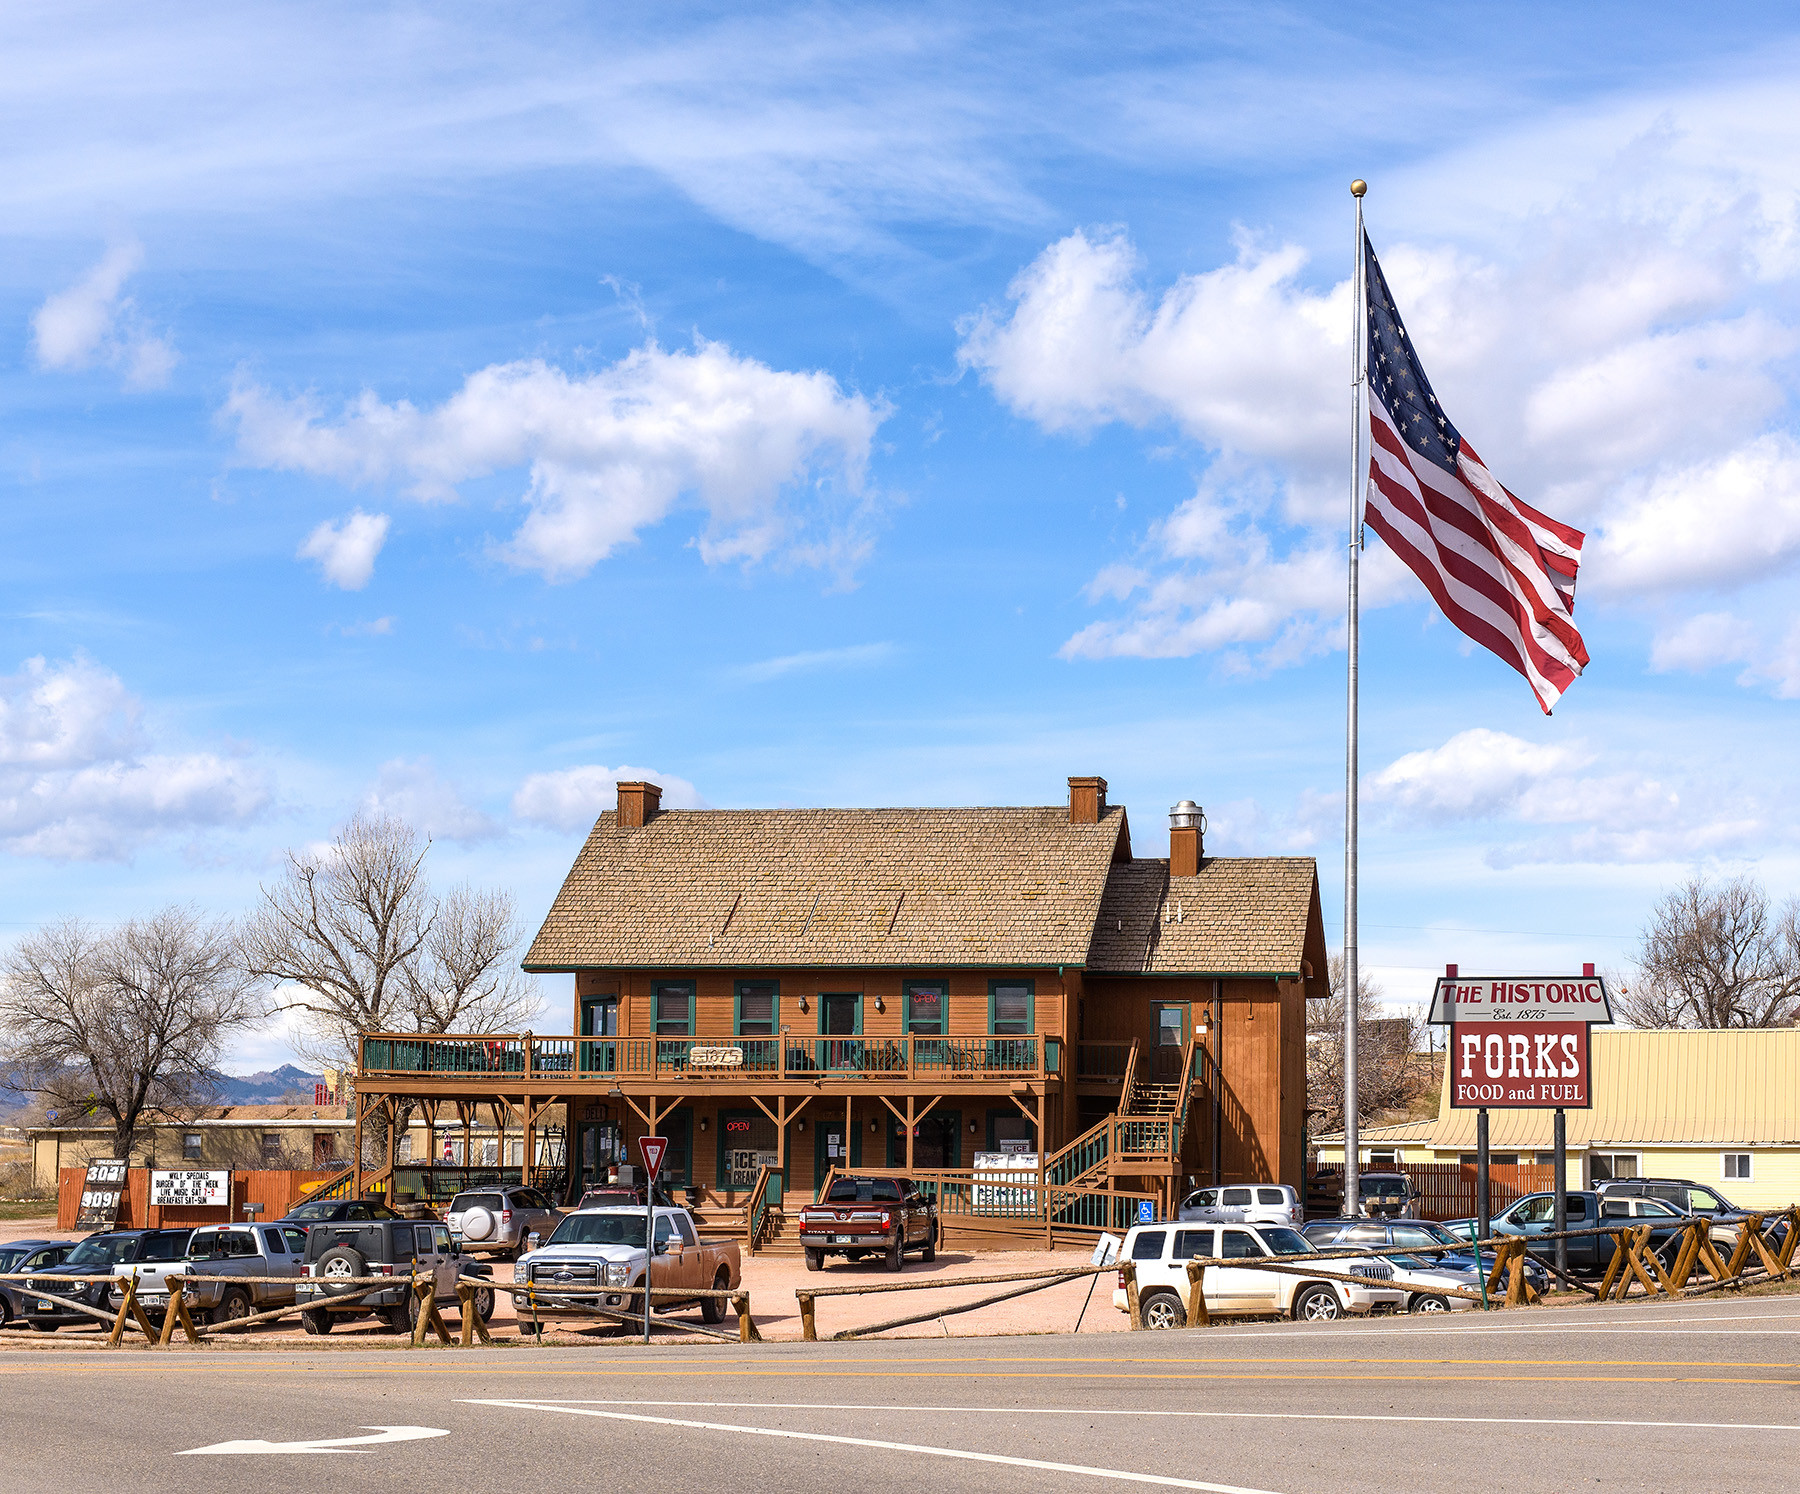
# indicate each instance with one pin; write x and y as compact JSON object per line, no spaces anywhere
{"x":1521,"y":1043}
{"x":651,"y":1148}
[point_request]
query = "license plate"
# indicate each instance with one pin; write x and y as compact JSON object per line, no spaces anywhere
{"x":841,"y":1239}
{"x":154,"y":1299}
{"x":44,"y":1306}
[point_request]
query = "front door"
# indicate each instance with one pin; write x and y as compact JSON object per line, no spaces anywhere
{"x":598,"y":1150}
{"x":599,"y":1019}
{"x":834,"y":1145}
{"x":840,"y":1019}
{"x":1168,"y":1039}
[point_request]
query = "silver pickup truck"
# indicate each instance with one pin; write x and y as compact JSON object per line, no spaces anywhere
{"x":244,"y":1250}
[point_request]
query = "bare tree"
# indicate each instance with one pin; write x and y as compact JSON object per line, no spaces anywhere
{"x":129,"y":1023}
{"x":1716,"y":955}
{"x":1391,"y":1074}
{"x":352,"y":937}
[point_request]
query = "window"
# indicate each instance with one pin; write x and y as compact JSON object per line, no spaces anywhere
{"x":1206,"y":1198}
{"x":190,"y":1147}
{"x":1192,"y":1242}
{"x":1171,"y":1026}
{"x":1705,"y":1201}
{"x":756,"y":1008}
{"x":1534,"y":1210}
{"x":1239,"y":1245}
{"x":1271,"y":1196}
{"x":925,"y":1008}
{"x":271,"y":1146}
{"x":1009,"y":1007}
{"x":1389,"y":1159}
{"x":422,"y":1234}
{"x":1736,"y":1165}
{"x":296,"y":1241}
{"x":1238,"y":1198}
{"x":1545,"y":1159}
{"x":1413,"y":1237}
{"x":1609,"y":1165}
{"x":1149,"y":1245}
{"x":674,"y":1010}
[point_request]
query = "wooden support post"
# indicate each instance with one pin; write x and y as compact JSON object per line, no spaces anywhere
{"x":1790,"y":1240}
{"x":1128,"y":1270}
{"x":393,"y":1145}
{"x":472,"y":1326}
{"x":356,"y":1145}
{"x":910,"y":1124}
{"x":1196,"y":1305}
{"x":1615,"y":1268}
{"x":808,"y":1329}
{"x":530,"y":1136}
{"x":177,"y":1313}
{"x":426,"y":1316}
{"x":129,"y":1309}
{"x":747,"y":1333}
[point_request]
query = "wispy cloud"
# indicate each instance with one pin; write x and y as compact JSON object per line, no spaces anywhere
{"x":346,"y":551}
{"x":854,"y":656}
{"x":94,"y":321}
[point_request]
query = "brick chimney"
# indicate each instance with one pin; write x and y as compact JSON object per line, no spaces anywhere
{"x":1087,"y":800}
{"x":639,"y":803}
{"x":1187,"y":839}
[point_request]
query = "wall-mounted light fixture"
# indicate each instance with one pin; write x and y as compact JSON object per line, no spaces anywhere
{"x":874,"y":1125}
{"x":971,"y":1128}
{"x":800,"y":1127}
{"x":803,"y":1003}
{"x":880,"y":1005}
{"x":703,"y":1123}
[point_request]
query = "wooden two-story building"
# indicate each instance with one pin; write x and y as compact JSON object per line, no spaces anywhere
{"x":781,"y":992}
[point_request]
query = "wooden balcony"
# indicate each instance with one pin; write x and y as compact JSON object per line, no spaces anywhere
{"x":466,"y":1063}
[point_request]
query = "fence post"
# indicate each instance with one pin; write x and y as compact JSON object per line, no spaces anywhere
{"x":1128,"y":1270}
{"x":1196,"y":1313}
{"x":747,"y":1333}
{"x":808,"y":1331}
{"x":472,"y":1326}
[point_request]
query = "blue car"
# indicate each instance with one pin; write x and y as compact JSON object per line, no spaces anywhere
{"x":1535,"y":1214}
{"x":25,"y":1255}
{"x":1411,"y":1234}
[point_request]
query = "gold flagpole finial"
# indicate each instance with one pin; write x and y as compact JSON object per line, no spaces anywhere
{"x":1358,"y":187}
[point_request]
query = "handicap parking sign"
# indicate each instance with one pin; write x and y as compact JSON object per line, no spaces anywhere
{"x":1146,"y":1211}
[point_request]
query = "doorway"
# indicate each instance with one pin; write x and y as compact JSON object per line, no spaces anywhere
{"x":1168,"y":1040}
{"x":835,"y":1145}
{"x":599,"y":1019}
{"x":840,"y":1023}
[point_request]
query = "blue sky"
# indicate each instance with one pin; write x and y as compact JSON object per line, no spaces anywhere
{"x":894,"y":404}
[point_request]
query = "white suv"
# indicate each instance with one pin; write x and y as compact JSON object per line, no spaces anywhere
{"x":1162,"y":1251}
{"x":1263,"y":1203}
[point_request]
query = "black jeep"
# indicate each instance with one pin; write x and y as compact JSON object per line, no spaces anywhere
{"x":341,"y":1250}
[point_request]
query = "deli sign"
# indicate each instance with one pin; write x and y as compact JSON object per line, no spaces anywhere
{"x":1520,"y":1043}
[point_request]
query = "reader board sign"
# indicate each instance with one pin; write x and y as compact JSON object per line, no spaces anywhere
{"x":100,"y":1193}
{"x":1519,"y":1066}
{"x":1512,"y":998}
{"x":190,"y":1190}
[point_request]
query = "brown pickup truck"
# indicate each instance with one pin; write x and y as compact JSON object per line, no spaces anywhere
{"x":870,"y":1216}
{"x":604,"y":1247}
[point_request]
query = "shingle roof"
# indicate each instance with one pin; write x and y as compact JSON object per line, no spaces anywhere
{"x":1717,"y":1088}
{"x":1240,"y":915}
{"x":896,"y":887}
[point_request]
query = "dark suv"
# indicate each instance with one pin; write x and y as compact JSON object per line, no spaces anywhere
{"x":382,"y":1247}
{"x":96,"y":1258}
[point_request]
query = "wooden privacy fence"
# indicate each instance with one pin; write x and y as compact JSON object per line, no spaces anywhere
{"x":1447,"y":1189}
{"x":276,"y":1189}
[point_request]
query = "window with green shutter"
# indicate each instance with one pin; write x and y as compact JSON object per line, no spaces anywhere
{"x":1010,"y":1005}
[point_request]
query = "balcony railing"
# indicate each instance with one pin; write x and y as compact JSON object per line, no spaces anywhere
{"x":934,"y":1059}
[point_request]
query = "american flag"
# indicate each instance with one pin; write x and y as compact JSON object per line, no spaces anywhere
{"x":1503,"y":572}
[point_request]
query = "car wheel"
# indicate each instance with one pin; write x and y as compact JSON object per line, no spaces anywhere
{"x":233,"y":1307}
{"x":401,"y":1318}
{"x":527,"y":1328}
{"x":341,"y":1264}
{"x":712,"y":1309}
{"x":1318,"y":1304}
{"x":6,"y":1316}
{"x":316,"y":1321}
{"x":1162,"y":1310}
{"x":815,"y":1259}
{"x":1428,"y":1302}
{"x":482,"y":1299}
{"x":896,"y":1252}
{"x":929,"y":1253}
{"x":37,"y":1327}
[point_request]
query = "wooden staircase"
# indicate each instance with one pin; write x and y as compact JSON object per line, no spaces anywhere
{"x":1141,"y":1140}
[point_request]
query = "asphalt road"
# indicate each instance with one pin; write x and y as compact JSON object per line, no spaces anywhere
{"x":1695,"y":1396}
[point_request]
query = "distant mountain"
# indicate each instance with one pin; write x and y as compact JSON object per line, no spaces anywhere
{"x":270,"y":1087}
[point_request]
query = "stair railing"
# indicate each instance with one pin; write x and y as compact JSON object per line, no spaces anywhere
{"x":756,"y":1212}
{"x":1128,"y":1087}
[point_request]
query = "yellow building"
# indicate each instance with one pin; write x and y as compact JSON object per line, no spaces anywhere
{"x":1718,"y":1108}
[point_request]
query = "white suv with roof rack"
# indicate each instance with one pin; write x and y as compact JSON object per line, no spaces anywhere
{"x":1161,"y":1253}
{"x":1258,"y":1203}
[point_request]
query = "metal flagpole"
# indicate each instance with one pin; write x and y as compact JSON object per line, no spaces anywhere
{"x":1352,"y":1143}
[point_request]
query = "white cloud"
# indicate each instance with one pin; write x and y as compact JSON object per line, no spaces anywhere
{"x":854,"y":656}
{"x":1716,"y":524}
{"x":573,"y":798}
{"x":411,"y":789}
{"x":1703,"y":642}
{"x":76,"y":780}
{"x":346,"y":551}
{"x":776,"y":460}
{"x":95,"y":321}
{"x":1614,"y":816}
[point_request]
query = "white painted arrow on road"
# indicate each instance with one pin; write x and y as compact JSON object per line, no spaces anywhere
{"x":321,"y":1444}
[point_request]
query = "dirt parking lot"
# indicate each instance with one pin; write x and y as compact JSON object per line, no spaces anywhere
{"x":772,"y":1281}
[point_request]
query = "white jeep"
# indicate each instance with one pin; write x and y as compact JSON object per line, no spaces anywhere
{"x":1161,"y":1253}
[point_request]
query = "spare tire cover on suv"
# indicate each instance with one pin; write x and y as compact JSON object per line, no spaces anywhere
{"x":339,"y":1262}
{"x":477,"y":1224}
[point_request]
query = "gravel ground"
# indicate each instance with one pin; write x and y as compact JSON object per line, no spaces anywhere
{"x":772,"y":1281}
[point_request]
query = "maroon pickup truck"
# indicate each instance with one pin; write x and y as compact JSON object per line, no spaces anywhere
{"x":870,"y":1216}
